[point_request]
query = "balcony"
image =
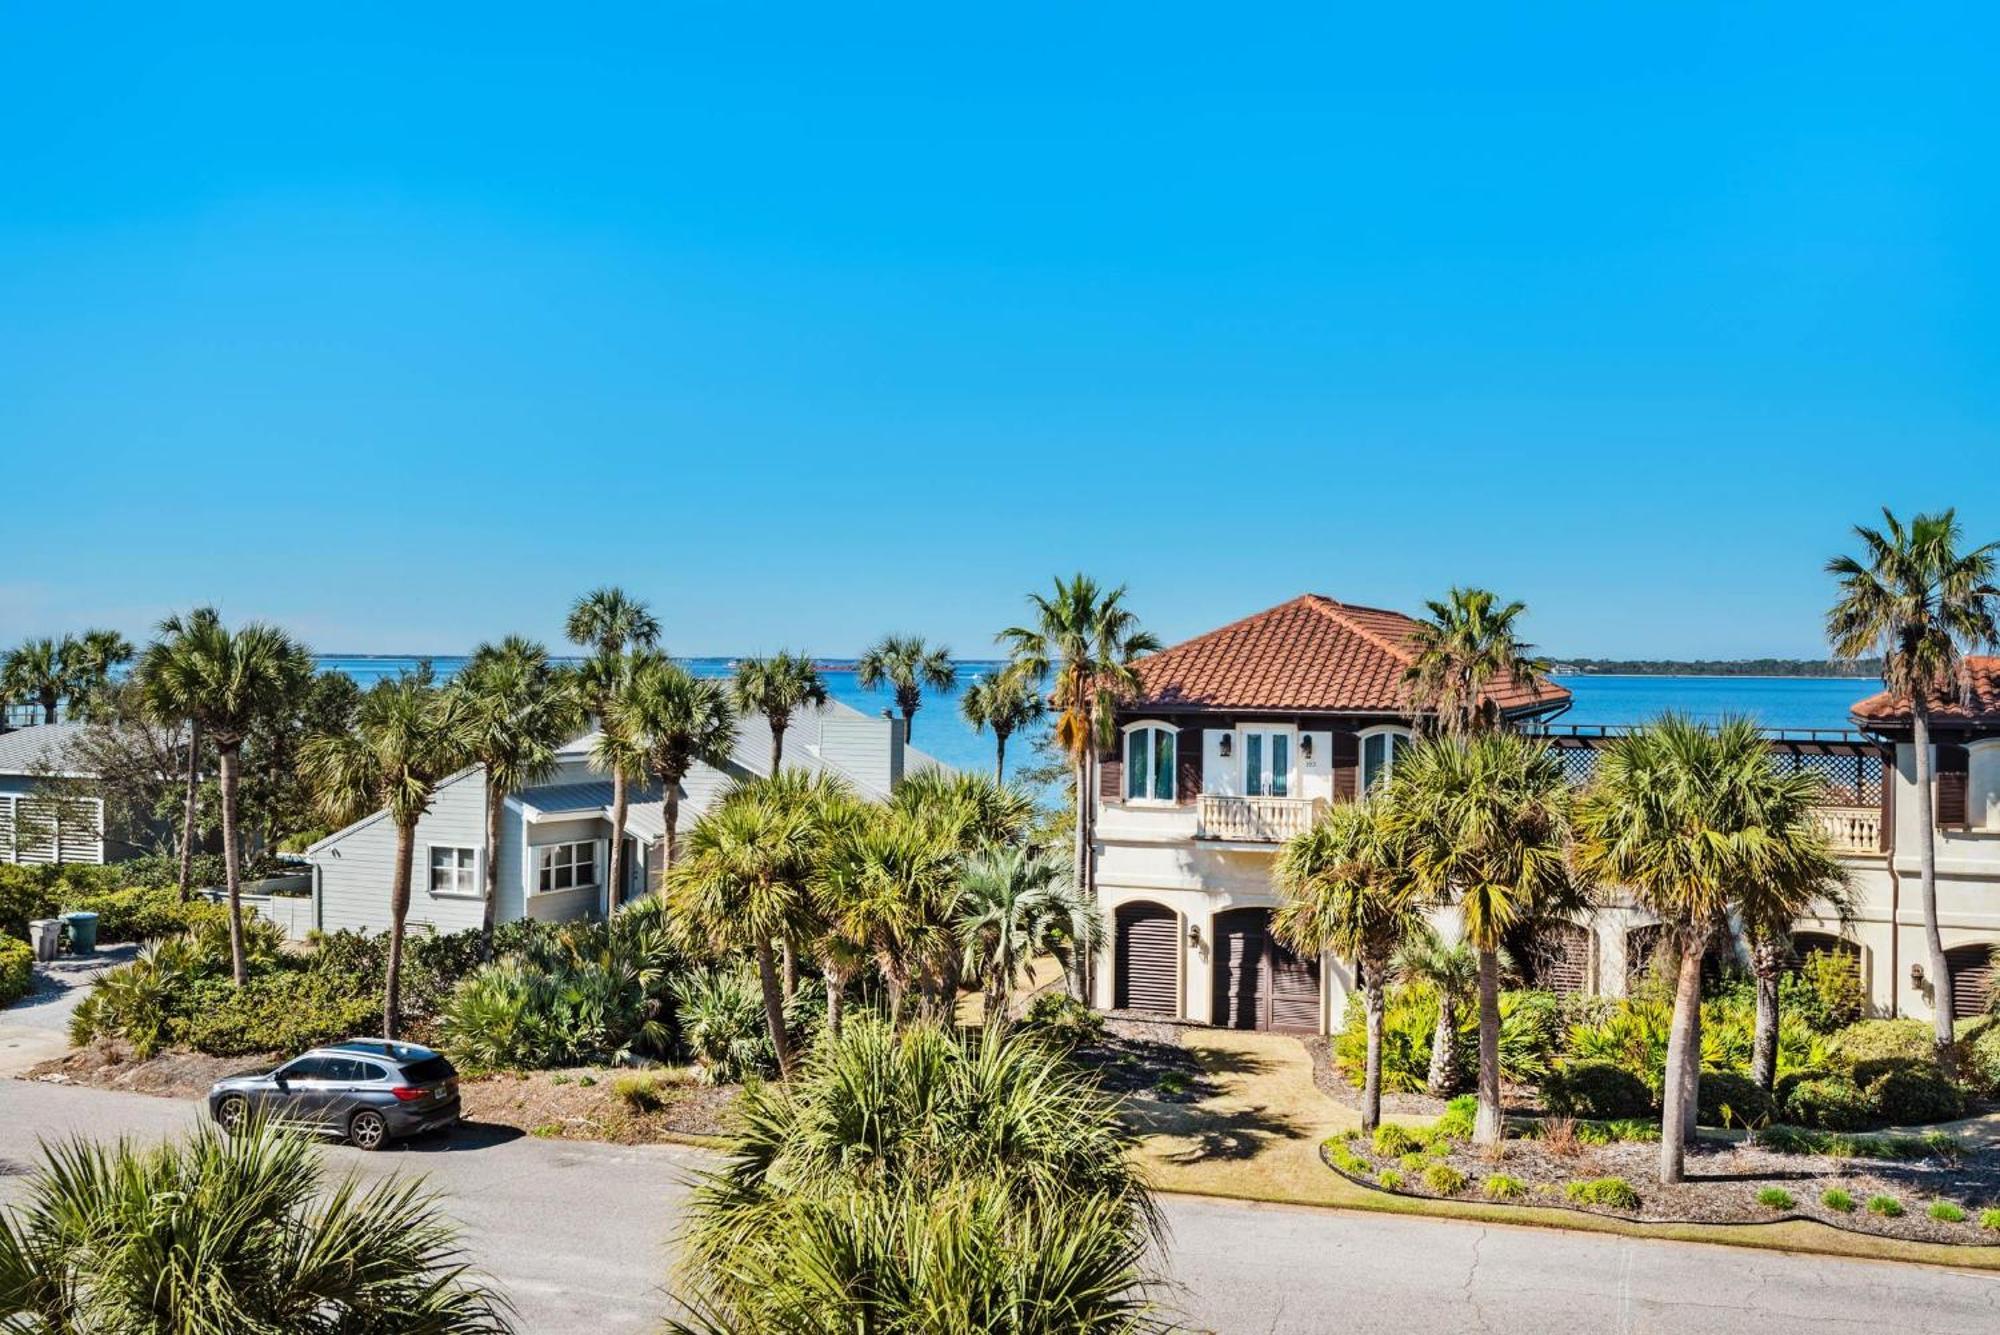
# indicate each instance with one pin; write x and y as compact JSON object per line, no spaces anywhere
{"x":1852,"y":829}
{"x":1256,"y":820}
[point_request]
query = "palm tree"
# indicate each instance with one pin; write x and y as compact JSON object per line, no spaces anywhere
{"x":1005,"y":703}
{"x":777,"y":687}
{"x":888,"y":883}
{"x":1082,"y":642}
{"x":1690,"y":818}
{"x":409,"y":736}
{"x":1012,"y":904}
{"x":745,"y":883}
{"x":213,"y":1233}
{"x":1467,"y":646}
{"x":39,"y":673}
{"x":1799,"y":873}
{"x":229,"y":682}
{"x":968,"y":810}
{"x":1348,"y":892}
{"x":1922,"y":604}
{"x":163,"y":697}
{"x":609,"y":622}
{"x":1449,"y":972}
{"x":518,"y":711}
{"x":676,"y":720}
{"x":906,"y":665}
{"x":1484,"y":823}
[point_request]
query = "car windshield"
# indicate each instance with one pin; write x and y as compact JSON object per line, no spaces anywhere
{"x":427,"y":1070}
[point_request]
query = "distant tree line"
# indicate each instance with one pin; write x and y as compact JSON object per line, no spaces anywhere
{"x":1720,"y":667}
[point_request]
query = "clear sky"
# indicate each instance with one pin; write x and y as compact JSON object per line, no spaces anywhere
{"x":404,"y":324}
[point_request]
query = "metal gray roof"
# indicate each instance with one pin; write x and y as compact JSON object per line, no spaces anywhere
{"x":44,"y":744}
{"x":558,"y":798}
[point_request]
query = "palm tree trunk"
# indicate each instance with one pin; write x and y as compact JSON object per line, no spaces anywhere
{"x":1443,"y":1077}
{"x":1920,"y":735}
{"x":1371,"y":1080}
{"x":777,"y":746}
{"x":1488,"y":1127}
{"x":48,"y":706}
{"x":232,"y":865}
{"x":187,"y":815}
{"x":399,"y":910}
{"x":1082,"y":860}
{"x":670,"y":801}
{"x":1685,"y":1035}
{"x":999,"y":756}
{"x":791,"y":970}
{"x":836,"y":1003}
{"x":495,"y":800}
{"x":618,"y":806}
{"x":774,"y":1007}
{"x":1766,"y":962}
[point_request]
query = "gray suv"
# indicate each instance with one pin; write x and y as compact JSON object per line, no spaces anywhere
{"x":367,"y":1091}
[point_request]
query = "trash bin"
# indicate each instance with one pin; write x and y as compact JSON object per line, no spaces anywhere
{"x":82,"y":932}
{"x":45,"y":938}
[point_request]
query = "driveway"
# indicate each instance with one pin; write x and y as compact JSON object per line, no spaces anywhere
{"x":36,"y":1028}
{"x":577,"y":1235}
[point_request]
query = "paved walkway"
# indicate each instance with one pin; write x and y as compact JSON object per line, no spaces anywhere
{"x":36,"y":1028}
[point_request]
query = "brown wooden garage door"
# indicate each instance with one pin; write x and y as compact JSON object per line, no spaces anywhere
{"x":1147,"y":960}
{"x":1259,"y":983}
{"x":1972,"y":979}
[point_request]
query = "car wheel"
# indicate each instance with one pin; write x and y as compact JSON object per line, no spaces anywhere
{"x":367,"y":1131}
{"x":232,"y":1114}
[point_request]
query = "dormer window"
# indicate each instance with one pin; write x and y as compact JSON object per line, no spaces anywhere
{"x":1150,"y":750}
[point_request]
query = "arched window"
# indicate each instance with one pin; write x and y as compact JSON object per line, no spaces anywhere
{"x":1379,"y":749}
{"x":1149,"y":762}
{"x":1982,"y":789}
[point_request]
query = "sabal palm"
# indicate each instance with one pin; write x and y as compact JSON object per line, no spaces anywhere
{"x":611,"y":623}
{"x":1005,"y":702}
{"x":1347,"y":891}
{"x":1921,"y":603}
{"x":409,"y":736}
{"x":889,"y":884}
{"x":1449,"y":972}
{"x":1468,"y":646}
{"x":966,"y":809}
{"x":906,"y":665}
{"x":677,"y":721}
{"x":518,"y":709}
{"x":746,"y":882}
{"x":245,"y":1234}
{"x":1798,"y":875}
{"x":778,"y":687}
{"x":1484,"y":822}
{"x":164,"y":697}
{"x":1012,"y":903}
{"x":37,"y":673}
{"x":228,"y":682}
{"x":1081,"y":643}
{"x":1689,"y":818}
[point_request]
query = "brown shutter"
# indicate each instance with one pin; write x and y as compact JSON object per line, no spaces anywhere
{"x":1187,"y":758}
{"x":1346,"y":766}
{"x":1952,"y":764}
{"x":1147,"y":959}
{"x":1111,"y":780}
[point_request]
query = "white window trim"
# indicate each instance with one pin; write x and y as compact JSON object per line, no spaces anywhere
{"x":478,"y":890}
{"x":597,"y":868}
{"x":1124,"y":756}
{"x":1408,"y":735}
{"x":1242,"y":747}
{"x":1976,"y":752}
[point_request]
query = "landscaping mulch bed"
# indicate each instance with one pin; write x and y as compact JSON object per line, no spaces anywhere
{"x":1142,"y":1056}
{"x":1723,"y":1183}
{"x":111,"y":1064}
{"x":1516,"y":1099}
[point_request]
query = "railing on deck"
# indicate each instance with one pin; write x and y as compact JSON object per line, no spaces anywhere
{"x":1852,"y":829}
{"x":1268,"y":820}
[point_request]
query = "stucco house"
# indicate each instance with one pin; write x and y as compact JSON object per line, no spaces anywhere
{"x":554,"y":847}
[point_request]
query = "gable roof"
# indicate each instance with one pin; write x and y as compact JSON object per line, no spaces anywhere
{"x":1313,"y":654}
{"x":42,"y":746}
{"x":1979,"y":705}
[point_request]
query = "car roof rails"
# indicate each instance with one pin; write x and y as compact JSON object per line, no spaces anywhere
{"x":382,"y":1047}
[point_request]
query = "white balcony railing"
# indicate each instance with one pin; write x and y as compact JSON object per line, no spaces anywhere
{"x":1852,"y":829}
{"x":1268,"y":820}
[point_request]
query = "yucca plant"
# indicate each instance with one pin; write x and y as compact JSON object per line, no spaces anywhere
{"x":213,"y":1233}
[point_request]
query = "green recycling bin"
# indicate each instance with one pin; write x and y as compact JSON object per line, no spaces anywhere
{"x":82,"y":932}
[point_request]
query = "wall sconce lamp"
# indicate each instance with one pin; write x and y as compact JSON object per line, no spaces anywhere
{"x":1916,"y":975}
{"x":1224,"y":748}
{"x":1306,"y":747}
{"x":1194,"y":936}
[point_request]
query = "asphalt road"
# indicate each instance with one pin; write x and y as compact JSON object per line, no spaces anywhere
{"x":577,"y":1236}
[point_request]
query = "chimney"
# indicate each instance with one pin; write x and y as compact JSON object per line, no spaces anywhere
{"x":898,"y":739}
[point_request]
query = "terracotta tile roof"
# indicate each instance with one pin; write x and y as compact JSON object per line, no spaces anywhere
{"x":1311,"y":654}
{"x":1980,"y":702}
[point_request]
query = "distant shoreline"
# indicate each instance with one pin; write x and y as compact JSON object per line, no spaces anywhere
{"x":1716,"y":676}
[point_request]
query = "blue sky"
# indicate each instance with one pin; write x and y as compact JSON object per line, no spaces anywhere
{"x":403,"y":324}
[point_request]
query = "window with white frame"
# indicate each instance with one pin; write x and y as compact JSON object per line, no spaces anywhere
{"x":1379,"y":749}
{"x":1149,"y":763}
{"x":453,"y":870}
{"x":1982,"y":792}
{"x":568,"y":866}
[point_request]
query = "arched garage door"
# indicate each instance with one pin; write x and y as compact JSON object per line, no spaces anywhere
{"x":1972,"y":979}
{"x":1259,"y":982}
{"x":1147,"y":960}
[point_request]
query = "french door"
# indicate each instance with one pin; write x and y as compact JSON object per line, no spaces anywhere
{"x":1267,"y":763}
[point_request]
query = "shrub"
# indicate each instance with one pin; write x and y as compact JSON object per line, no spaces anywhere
{"x":1596,"y":1089}
{"x":282,"y":1011}
{"x":1775,"y":1198}
{"x":1614,"y":1192}
{"x":1833,"y":1198}
{"x":1886,"y":1206}
{"x":1390,"y":1180}
{"x":1725,"y":1098}
{"x":1392,"y":1141}
{"x":1501,"y":1187}
{"x":1407,"y":1025}
{"x":1990,"y":1219}
{"x":17,"y":969}
{"x":1831,"y":1103}
{"x":723,"y":1025}
{"x":1443,"y":1179}
{"x":1826,"y":993}
{"x":1982,"y":1059}
{"x":1456,"y":1122}
{"x":1911,"y":1095}
{"x":137,"y":1001}
{"x":1947,"y":1212}
{"x":1063,"y":1020}
{"x":143,"y":913}
{"x":1345,"y":1159}
{"x":1617,"y":1129}
{"x":1884,"y":1040}
{"x":639,"y":1091}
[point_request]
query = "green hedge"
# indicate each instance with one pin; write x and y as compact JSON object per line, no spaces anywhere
{"x":140,"y":892}
{"x":283,"y":1011}
{"x":17,"y":970}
